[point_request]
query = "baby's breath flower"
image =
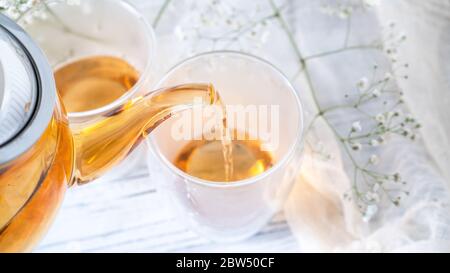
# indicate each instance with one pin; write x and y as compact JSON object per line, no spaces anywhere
{"x":362,"y":84}
{"x":387,"y":76}
{"x":356,"y":127}
{"x":370,"y":212}
{"x":372,"y":196}
{"x":374,"y":142}
{"x":345,"y":12}
{"x":25,"y":11}
{"x":409,"y":118}
{"x":376,"y":93}
{"x":374,"y":160}
{"x":380,"y":118}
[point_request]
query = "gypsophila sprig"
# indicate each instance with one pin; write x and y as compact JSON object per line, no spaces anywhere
{"x":224,"y":24}
{"x":345,"y":9}
{"x":25,"y":11}
{"x":15,"y":9}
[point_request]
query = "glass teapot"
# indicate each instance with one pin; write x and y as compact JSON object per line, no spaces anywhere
{"x":41,"y":154}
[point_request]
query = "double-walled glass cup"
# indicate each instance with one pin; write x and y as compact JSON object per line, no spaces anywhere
{"x":96,"y":28}
{"x":231,"y":211}
{"x":85,"y":28}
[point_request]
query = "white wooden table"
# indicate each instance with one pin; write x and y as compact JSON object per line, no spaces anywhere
{"x":123,"y":213}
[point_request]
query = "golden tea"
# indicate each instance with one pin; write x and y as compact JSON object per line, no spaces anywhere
{"x":93,"y":82}
{"x":205,"y":159}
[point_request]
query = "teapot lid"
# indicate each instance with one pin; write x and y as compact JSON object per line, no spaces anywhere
{"x":17,"y":87}
{"x":27,"y":91}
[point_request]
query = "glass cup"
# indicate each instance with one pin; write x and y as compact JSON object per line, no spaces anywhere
{"x":89,"y":28}
{"x":231,"y":211}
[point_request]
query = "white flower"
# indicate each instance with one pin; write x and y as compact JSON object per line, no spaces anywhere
{"x":372,"y":196}
{"x":380,"y":118}
{"x":387,"y":76}
{"x":409,"y":118}
{"x":376,"y":93}
{"x":27,"y":9}
{"x":374,"y":142}
{"x":356,"y":126}
{"x":362,"y":84}
{"x":374,"y":159}
{"x":345,"y":12}
{"x":370,"y":212}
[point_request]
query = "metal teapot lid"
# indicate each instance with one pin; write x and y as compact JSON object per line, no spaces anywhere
{"x":27,"y":91}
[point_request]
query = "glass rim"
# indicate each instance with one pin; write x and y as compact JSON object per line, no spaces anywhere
{"x":293,"y":147}
{"x":151,"y":38}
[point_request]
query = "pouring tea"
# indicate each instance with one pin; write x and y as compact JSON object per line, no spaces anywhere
{"x":41,"y":154}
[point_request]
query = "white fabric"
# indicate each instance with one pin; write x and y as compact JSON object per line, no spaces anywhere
{"x":316,"y":211}
{"x":427,"y":24}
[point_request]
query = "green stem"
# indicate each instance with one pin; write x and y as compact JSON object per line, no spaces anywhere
{"x":299,"y":55}
{"x":284,"y":25}
{"x":160,"y":13}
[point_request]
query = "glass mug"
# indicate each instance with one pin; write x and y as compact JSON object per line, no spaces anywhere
{"x":42,"y":150}
{"x":231,"y":211}
{"x":89,"y":28}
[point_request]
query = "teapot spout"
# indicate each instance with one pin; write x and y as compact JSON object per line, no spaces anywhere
{"x":105,"y":142}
